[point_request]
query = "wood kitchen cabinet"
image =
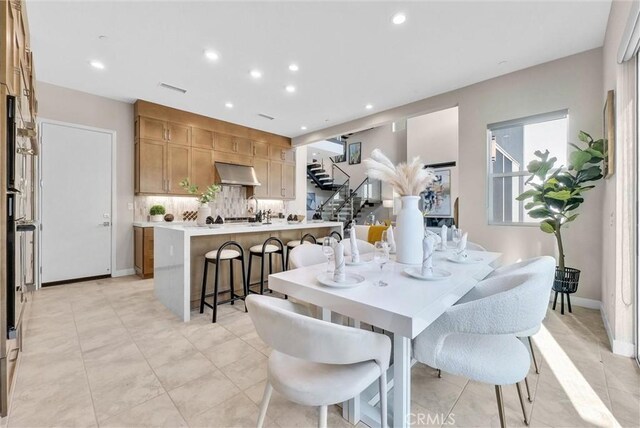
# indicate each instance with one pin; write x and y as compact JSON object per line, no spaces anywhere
{"x":202,"y":172}
{"x":160,"y":167}
{"x":143,"y":251}
{"x":283,"y":154}
{"x":160,"y":130}
{"x":260,"y":150}
{"x":201,"y":138}
{"x":171,"y":145}
{"x":151,"y":160}
{"x":178,"y":168}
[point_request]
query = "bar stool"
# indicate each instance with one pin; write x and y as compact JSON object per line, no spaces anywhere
{"x":229,"y":251}
{"x":270,"y":247}
{"x":335,"y":234}
{"x":293,"y":244}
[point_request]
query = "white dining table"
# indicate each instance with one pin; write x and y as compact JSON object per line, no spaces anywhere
{"x":405,"y":307}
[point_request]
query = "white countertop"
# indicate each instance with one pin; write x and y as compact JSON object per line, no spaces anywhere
{"x":193,"y":230}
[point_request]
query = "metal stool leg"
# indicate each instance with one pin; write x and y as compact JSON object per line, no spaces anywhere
{"x":250,"y":257}
{"x":215,"y":294}
{"x":555,"y":300}
{"x":270,"y":268}
{"x":261,"y":275}
{"x":569,"y":302}
{"x":204,"y":285}
{"x":245,"y":281}
{"x":526,"y":384}
{"x":231,"y":282}
{"x":561,"y":303}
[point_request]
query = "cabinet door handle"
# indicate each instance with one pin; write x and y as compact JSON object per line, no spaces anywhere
{"x":169,"y":134}
{"x":254,"y":150}
{"x":282,"y":154}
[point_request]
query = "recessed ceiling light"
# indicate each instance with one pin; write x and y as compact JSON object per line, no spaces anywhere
{"x":228,"y":105}
{"x":293,"y":67}
{"x":290,"y":88}
{"x":211,"y":55}
{"x":304,"y":128}
{"x":97,"y":64}
{"x":399,"y":18}
{"x":368,"y":106}
{"x":314,"y":154}
{"x":256,"y":74}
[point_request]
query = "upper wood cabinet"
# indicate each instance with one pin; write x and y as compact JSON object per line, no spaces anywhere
{"x":178,"y":134}
{"x":151,"y":160}
{"x":202,"y":172}
{"x":172,"y":145}
{"x":178,"y":168}
{"x":201,"y":138}
{"x":282,"y":154}
{"x":260,"y":150}
{"x":160,"y":130}
{"x":152,"y":129}
{"x":261,"y":166}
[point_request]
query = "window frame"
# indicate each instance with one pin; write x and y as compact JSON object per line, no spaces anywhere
{"x":528,"y":120}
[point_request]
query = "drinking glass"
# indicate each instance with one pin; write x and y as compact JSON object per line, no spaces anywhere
{"x":456,"y":236}
{"x":381,"y":258}
{"x":383,"y":237}
{"x":327,"y":249}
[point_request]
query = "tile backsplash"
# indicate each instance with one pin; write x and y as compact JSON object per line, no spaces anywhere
{"x":231,"y":201}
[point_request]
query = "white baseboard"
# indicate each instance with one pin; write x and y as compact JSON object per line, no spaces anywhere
{"x":583,"y":302}
{"x":123,"y":272}
{"x":618,"y":347}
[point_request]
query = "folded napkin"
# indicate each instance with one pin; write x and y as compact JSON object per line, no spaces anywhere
{"x":436,"y":238}
{"x":428,"y":245}
{"x":443,"y":237}
{"x":339,"y":274}
{"x":391,"y":240}
{"x":461,"y":251}
{"x":355,"y":253}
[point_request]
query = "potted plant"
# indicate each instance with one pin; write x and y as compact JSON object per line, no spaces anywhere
{"x":557,"y":193}
{"x":156,"y":213}
{"x":203,"y":199}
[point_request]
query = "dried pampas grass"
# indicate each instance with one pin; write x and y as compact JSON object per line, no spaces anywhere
{"x":407,"y":179}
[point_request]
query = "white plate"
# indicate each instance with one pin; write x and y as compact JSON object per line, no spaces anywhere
{"x":438,"y":274}
{"x":351,"y":280}
{"x":360,"y":263}
{"x":215,"y":226}
{"x":467,"y":261}
{"x":293,"y":221}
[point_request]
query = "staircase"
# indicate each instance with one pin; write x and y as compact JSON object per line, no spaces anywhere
{"x":321,"y":178}
{"x":344,"y":204}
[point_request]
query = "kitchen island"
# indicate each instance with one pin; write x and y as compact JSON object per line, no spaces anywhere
{"x":179,"y":256}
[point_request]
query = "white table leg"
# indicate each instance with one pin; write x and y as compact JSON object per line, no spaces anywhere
{"x":401,"y":380}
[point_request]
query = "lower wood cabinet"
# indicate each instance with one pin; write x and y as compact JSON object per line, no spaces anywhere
{"x":143,"y":251}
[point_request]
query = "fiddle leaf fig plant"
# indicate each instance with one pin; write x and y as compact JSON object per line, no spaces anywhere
{"x":204,"y":197}
{"x":556,"y":194}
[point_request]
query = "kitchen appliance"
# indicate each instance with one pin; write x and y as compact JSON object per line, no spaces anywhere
{"x":235,"y":175}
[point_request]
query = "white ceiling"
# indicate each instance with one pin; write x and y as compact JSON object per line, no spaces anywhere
{"x":349,"y":53}
{"x":323,"y":150}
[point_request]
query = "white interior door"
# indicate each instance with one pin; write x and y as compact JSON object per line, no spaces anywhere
{"x":76,"y":202}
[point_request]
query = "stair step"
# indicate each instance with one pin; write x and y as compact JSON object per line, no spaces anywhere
{"x":315,"y":168}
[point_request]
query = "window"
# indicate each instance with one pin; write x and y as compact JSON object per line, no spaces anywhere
{"x":511,"y":147}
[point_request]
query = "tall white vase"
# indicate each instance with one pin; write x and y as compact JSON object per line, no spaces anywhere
{"x":204,"y":211}
{"x":409,"y":231}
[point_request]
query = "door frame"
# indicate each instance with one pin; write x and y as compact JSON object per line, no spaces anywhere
{"x":44,"y":121}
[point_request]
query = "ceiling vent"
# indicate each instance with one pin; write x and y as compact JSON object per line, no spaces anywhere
{"x":173,"y":88}
{"x":266,"y":116}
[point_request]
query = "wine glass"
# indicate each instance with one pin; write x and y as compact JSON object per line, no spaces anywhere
{"x":381,"y":258}
{"x":383,"y":237}
{"x":456,"y":236}
{"x":327,"y":249}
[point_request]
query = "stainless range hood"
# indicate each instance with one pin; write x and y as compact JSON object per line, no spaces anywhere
{"x":238,"y":175}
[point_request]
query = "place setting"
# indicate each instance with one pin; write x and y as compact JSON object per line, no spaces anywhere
{"x":336,"y":275}
{"x":426,"y":272}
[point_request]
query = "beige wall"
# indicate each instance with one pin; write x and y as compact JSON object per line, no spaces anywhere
{"x":66,"y":105}
{"x":434,"y":138}
{"x":617,"y":312}
{"x":574,"y":83}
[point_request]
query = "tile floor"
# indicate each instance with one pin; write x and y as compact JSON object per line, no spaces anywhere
{"x":107,"y":353}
